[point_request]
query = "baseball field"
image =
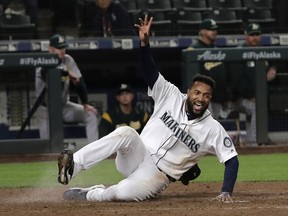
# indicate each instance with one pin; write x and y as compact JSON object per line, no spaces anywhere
{"x":28,"y":186}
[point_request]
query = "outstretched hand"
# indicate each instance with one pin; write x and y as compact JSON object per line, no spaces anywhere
{"x":144,"y":29}
{"x":223,"y":197}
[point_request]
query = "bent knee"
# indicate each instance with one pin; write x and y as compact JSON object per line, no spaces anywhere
{"x":127,"y":131}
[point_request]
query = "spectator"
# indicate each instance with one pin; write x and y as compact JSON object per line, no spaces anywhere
{"x":72,"y":112}
{"x":105,"y":18}
{"x":220,"y":105}
{"x":125,"y":114}
{"x":243,"y":82}
{"x":65,"y":15}
{"x":31,"y":8}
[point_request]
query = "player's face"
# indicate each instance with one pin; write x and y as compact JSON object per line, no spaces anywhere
{"x":59,"y":52}
{"x":199,"y":97}
{"x":125,"y":98}
{"x":209,"y":35}
{"x":253,"y":40}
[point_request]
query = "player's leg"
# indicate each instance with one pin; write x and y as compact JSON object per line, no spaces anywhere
{"x":144,"y":183}
{"x":124,"y":140}
{"x":73,"y":112}
{"x":144,"y":180}
{"x":249,"y":108}
{"x":43,"y":122}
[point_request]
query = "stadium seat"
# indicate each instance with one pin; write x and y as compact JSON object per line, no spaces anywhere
{"x":226,"y":4}
{"x":227,"y":20}
{"x":260,"y":16}
{"x":199,"y":5}
{"x":16,"y":26}
{"x":130,"y":5}
{"x":155,"y":5}
{"x":263,"y":17}
{"x":188,"y":21}
{"x":258,"y":4}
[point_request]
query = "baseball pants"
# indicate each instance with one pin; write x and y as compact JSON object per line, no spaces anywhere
{"x":142,"y":180}
{"x":72,"y":112}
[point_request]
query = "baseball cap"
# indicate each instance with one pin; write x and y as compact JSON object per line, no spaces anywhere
{"x":209,"y":24}
{"x":58,"y":41}
{"x":253,"y":28}
{"x":124,"y":87}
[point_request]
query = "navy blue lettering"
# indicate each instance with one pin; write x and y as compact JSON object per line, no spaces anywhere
{"x":181,"y":134}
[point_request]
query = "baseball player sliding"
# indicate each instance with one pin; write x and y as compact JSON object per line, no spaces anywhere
{"x":180,"y":131}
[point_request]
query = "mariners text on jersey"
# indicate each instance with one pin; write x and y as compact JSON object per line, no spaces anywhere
{"x":180,"y":133}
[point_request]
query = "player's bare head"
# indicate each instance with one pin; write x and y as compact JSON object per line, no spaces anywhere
{"x":204,"y":79}
{"x":199,"y":95}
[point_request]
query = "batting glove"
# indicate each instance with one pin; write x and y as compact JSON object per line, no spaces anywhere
{"x":224,"y":197}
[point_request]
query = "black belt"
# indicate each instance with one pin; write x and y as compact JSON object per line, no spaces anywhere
{"x":171,"y":179}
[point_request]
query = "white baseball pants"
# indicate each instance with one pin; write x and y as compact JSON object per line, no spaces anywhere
{"x":143,"y":179}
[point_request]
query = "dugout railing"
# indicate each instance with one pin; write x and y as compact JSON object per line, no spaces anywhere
{"x":55,"y":142}
{"x":191,"y":66}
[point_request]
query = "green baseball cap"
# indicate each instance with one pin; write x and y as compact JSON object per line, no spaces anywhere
{"x":58,"y":41}
{"x":253,"y":28}
{"x":209,"y":24}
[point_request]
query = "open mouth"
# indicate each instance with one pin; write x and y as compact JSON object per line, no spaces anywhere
{"x":197,"y":106}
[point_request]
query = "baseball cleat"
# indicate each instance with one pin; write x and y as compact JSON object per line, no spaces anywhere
{"x":79,"y":193}
{"x":65,"y":166}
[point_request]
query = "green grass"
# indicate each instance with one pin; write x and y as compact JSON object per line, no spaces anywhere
{"x":270,"y":167}
{"x":262,"y":167}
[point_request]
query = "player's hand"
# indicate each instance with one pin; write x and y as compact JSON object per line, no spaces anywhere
{"x":88,"y":108}
{"x":271,"y":74}
{"x":75,"y":79}
{"x":144,"y":29}
{"x":223,"y":197}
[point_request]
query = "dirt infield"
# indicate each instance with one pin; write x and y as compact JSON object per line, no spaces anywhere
{"x":250,"y":198}
{"x":257,"y":198}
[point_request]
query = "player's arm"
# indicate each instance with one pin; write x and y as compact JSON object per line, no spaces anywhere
{"x":148,"y":66}
{"x":81,"y":90}
{"x":230,"y":176}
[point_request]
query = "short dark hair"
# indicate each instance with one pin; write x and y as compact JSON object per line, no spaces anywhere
{"x":204,"y":79}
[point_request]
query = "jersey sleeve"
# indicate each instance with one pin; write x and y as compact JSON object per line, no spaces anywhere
{"x":72,"y":66}
{"x":223,"y":145}
{"x":162,"y":90}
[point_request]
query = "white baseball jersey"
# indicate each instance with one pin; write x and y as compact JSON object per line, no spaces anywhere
{"x":175,"y":143}
{"x":169,"y":144}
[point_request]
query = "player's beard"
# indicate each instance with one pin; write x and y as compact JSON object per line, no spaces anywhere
{"x":189,"y":106}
